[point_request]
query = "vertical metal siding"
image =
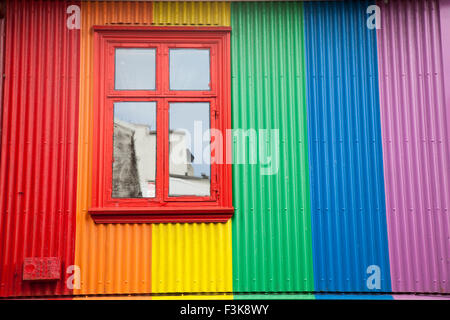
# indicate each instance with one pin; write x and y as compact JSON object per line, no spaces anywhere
{"x":271,"y":227}
{"x":346,"y":165}
{"x":2,"y":64}
{"x":415,"y":129}
{"x":191,"y":13}
{"x":193,"y":257}
{"x":444,"y":17}
{"x":113,"y":258}
{"x":126,"y":12}
{"x":39,"y":143}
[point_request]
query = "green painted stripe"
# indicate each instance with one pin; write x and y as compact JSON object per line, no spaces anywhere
{"x":272,"y":249}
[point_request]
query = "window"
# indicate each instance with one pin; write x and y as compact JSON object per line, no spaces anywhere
{"x":162,"y":102}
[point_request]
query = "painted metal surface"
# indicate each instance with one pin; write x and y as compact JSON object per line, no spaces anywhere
{"x":346,"y":166}
{"x":346,"y":296}
{"x":215,"y":13}
{"x":113,"y":258}
{"x":2,"y":63}
{"x":192,"y":257}
{"x":38,"y":269}
{"x":286,"y":237}
{"x":39,"y":143}
{"x":416,"y":147}
{"x":125,"y":12}
{"x":272,"y":249}
{"x":274,"y":296}
{"x":444,"y":19}
{"x":420,"y":297}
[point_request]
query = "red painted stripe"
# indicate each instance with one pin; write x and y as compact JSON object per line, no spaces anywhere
{"x":39,"y":143}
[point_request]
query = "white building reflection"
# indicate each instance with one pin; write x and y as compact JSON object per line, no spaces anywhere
{"x":134,"y":166}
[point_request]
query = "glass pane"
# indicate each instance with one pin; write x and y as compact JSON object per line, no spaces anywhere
{"x":189,"y":149}
{"x":189,"y":69}
{"x":135,"y":69}
{"x":134,"y":152}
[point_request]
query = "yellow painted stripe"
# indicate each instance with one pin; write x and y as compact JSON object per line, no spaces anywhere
{"x":191,"y":13}
{"x":114,"y":258}
{"x":192,"y":257}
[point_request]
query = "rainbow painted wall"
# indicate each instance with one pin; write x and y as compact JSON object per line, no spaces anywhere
{"x":362,"y":184}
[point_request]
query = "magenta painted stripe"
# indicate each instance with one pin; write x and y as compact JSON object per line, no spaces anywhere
{"x":444,"y":14}
{"x":420,"y":297}
{"x":415,"y":132}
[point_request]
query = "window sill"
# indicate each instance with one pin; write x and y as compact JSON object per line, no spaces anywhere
{"x":161,"y":215}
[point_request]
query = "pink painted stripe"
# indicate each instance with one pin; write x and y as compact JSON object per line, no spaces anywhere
{"x":420,"y":297}
{"x":444,"y":14}
{"x":415,"y":132}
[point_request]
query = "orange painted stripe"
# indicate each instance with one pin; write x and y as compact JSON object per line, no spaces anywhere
{"x":113,"y":258}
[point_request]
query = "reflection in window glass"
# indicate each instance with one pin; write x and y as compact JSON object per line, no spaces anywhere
{"x":134,"y":152}
{"x":135,"y":69}
{"x":189,"y":69}
{"x":189,"y":149}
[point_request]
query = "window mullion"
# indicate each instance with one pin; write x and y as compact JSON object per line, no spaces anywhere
{"x":161,"y":147}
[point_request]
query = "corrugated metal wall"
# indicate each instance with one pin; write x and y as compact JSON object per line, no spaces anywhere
{"x":191,"y":13}
{"x":347,"y":188}
{"x":444,"y":19}
{"x":192,"y":257}
{"x":113,"y":258}
{"x":2,"y":61}
{"x":124,"y":12}
{"x":309,"y":70}
{"x":415,"y":128}
{"x":271,"y":225}
{"x":39,"y":143}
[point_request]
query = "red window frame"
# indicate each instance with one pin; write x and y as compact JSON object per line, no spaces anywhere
{"x":162,"y":208}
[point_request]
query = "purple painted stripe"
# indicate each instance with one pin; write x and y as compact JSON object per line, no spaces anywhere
{"x":444,"y":14}
{"x":415,"y":131}
{"x":420,"y":297}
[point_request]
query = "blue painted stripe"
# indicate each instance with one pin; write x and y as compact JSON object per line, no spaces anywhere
{"x":345,"y":153}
